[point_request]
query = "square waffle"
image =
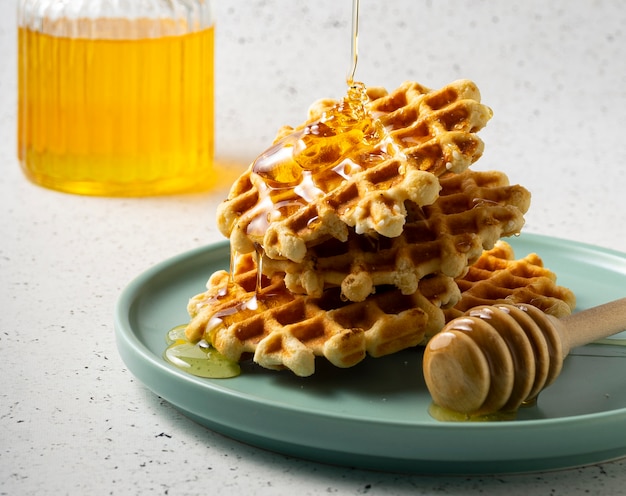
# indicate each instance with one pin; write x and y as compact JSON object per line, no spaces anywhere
{"x":497,"y":277}
{"x":473,"y":211}
{"x":283,"y":330}
{"x":366,"y":167}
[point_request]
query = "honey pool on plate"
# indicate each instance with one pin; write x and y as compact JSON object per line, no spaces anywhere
{"x":199,"y":359}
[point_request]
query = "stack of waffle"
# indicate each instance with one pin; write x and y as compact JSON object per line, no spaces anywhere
{"x":352,"y":234}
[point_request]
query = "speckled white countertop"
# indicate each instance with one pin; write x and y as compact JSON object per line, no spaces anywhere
{"x":73,"y":420}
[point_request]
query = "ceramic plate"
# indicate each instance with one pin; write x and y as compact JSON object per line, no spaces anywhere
{"x":375,"y":415}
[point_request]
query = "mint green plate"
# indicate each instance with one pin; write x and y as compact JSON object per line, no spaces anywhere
{"x":375,"y":415}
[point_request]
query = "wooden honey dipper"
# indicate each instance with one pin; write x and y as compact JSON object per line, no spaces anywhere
{"x":495,"y":358}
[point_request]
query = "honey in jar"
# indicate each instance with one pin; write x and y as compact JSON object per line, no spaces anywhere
{"x":116,"y":99}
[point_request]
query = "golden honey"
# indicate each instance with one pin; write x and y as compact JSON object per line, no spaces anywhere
{"x":119,"y":117}
{"x":199,"y":359}
{"x":310,"y":161}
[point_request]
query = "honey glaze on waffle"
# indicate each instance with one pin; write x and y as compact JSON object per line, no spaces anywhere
{"x":282,"y":330}
{"x":191,"y":349}
{"x":193,"y":353}
{"x":309,"y":162}
{"x":198,"y":356}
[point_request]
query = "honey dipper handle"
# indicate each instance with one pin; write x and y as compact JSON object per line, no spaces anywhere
{"x":595,"y":323}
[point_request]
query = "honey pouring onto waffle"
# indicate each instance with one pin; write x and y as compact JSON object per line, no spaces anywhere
{"x":361,"y":233}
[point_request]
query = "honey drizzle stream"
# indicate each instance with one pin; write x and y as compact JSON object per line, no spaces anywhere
{"x":355,"y":41}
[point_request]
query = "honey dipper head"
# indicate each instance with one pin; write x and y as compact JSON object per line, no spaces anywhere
{"x":493,"y":358}
{"x":456,"y":372}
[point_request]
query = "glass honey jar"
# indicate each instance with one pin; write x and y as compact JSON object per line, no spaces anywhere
{"x":115,"y":97}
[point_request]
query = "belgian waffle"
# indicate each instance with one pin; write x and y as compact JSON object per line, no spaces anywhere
{"x":283,"y":330}
{"x":497,"y":277}
{"x":473,"y":211}
{"x":416,"y":135}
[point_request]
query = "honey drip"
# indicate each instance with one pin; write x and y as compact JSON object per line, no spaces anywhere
{"x":355,"y":41}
